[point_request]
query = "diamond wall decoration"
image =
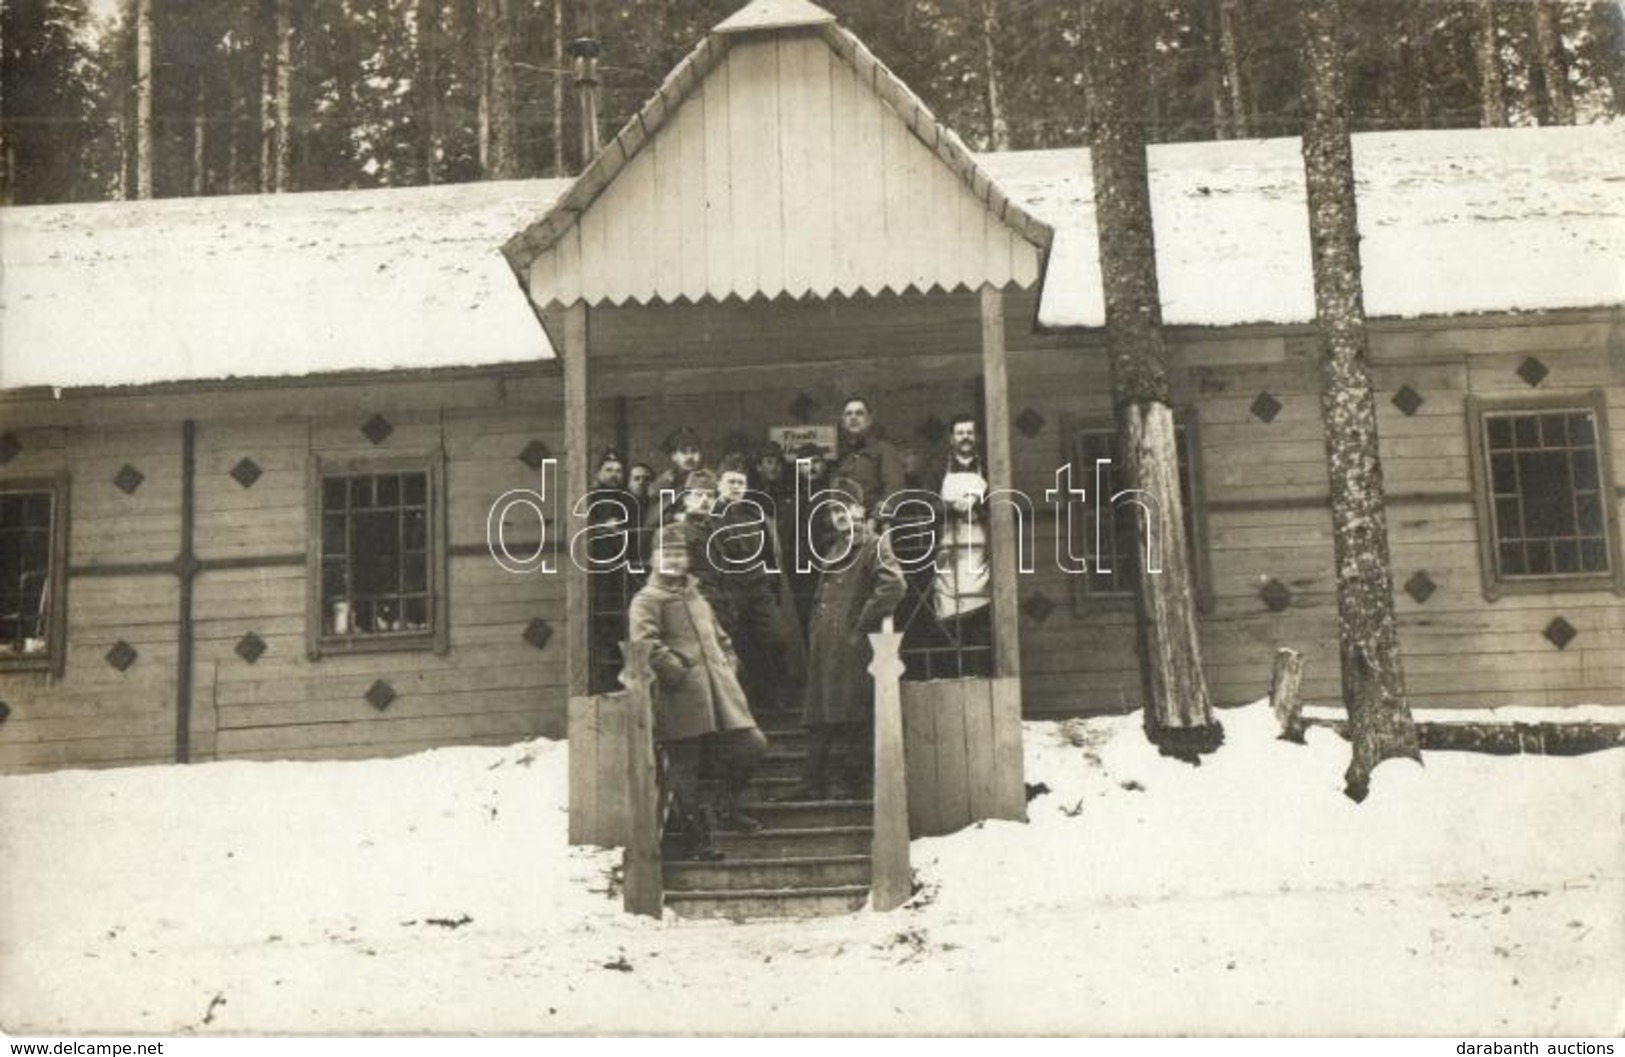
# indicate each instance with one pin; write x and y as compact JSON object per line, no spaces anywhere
{"x":538,"y":632}
{"x":1038,"y":606}
{"x":10,"y":447}
{"x":128,"y":479}
{"x":1420,"y":586}
{"x":246,"y":472}
{"x":122,"y":655}
{"x":802,"y":407}
{"x":250,"y":647}
{"x":380,"y":694}
{"x":5,"y":711}
{"x":1560,"y":633}
{"x":1408,"y":400}
{"x":1265,"y":407}
{"x":1029,"y":422}
{"x":1533,"y":372}
{"x":1276,"y":595}
{"x":377,"y":429}
{"x":535,"y":454}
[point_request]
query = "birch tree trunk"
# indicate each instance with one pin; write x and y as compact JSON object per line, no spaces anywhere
{"x":1553,"y":65}
{"x":200,"y":132}
{"x":501,"y":125}
{"x":429,"y":43}
{"x":1418,"y":83}
{"x":1178,"y":711}
{"x":143,"y":98}
{"x":1380,"y":724}
{"x":558,"y":89}
{"x":1491,"y":76}
{"x":998,"y":125}
{"x":1230,"y":50}
{"x":267,"y":53}
{"x":282,"y":145}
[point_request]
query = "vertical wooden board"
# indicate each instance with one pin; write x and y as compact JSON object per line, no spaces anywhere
{"x":859,"y":121}
{"x":569,"y":251}
{"x":595,"y":264}
{"x":719,"y":180}
{"x":1010,"y":778}
{"x":544,"y":275}
{"x":574,"y":352}
{"x":665,"y":154}
{"x":581,"y":731}
{"x":614,"y":798}
{"x":953,"y":773}
{"x":980,"y":748}
{"x":625,"y":209}
{"x":920,"y":222}
{"x":687,"y":157}
{"x":996,"y":254}
{"x":996,"y":412}
{"x":809,"y":189}
{"x":892,"y":261}
{"x":920,"y":760}
{"x":204,"y":718}
{"x":756,"y":239}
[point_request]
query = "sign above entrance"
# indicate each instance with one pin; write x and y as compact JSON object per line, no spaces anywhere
{"x":792,"y":437}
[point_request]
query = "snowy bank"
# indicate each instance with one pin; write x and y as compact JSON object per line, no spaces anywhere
{"x":436,"y":892}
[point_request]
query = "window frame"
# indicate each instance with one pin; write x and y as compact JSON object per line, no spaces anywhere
{"x":1187,"y":421}
{"x":1479,"y":410}
{"x":437,"y":638}
{"x":54,"y":660}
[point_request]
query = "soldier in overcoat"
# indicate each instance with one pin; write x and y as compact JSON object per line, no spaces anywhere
{"x":854,"y":598}
{"x":699,"y":705}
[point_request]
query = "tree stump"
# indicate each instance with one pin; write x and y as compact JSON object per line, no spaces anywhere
{"x":1286,"y":698}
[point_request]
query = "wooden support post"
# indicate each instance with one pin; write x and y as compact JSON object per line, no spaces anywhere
{"x":1286,"y":700}
{"x":643,"y":892}
{"x":893,"y":879}
{"x":1002,"y":525}
{"x":573,"y":335}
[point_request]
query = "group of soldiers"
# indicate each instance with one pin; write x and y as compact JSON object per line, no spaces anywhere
{"x":765,"y":575}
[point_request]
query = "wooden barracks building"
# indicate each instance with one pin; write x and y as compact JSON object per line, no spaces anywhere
{"x":205,"y":403}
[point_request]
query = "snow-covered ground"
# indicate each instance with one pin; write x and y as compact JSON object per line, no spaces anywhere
{"x":1475,"y":895}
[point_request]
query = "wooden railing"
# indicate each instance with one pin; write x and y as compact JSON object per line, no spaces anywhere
{"x":892,"y":877}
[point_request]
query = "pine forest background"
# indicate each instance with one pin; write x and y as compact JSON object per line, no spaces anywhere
{"x":267,"y":95}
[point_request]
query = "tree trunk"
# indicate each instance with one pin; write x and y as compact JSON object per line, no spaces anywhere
{"x":429,"y":43}
{"x":267,"y":53}
{"x":1178,"y":712}
{"x":282,"y":146}
{"x":200,"y":132}
{"x":143,"y":99}
{"x":1553,"y":64}
{"x":998,"y":125}
{"x":1418,"y":82}
{"x":1231,"y":52}
{"x":558,"y":89}
{"x":1086,"y":98}
{"x":1491,"y":77}
{"x":499,"y":124}
{"x":1373,"y":679}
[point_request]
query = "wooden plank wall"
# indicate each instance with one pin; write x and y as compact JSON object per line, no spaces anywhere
{"x":1264,"y":483}
{"x":783,"y":173}
{"x":490,"y":687}
{"x":962,"y":746}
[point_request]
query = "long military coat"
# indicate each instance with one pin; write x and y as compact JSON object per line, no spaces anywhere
{"x":697,"y":691}
{"x":851,"y":602}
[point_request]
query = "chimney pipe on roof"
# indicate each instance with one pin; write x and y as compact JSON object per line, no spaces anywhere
{"x":586,"y":50}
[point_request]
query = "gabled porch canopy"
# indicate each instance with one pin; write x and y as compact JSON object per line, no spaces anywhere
{"x":780,"y":157}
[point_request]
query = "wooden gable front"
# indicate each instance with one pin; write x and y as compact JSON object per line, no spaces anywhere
{"x":780,"y":158}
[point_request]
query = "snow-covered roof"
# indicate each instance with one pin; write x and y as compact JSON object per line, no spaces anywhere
{"x":125,"y":293}
{"x":1452,"y":222}
{"x":130,"y":293}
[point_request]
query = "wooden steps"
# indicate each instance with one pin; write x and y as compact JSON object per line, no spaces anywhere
{"x":811,"y":858}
